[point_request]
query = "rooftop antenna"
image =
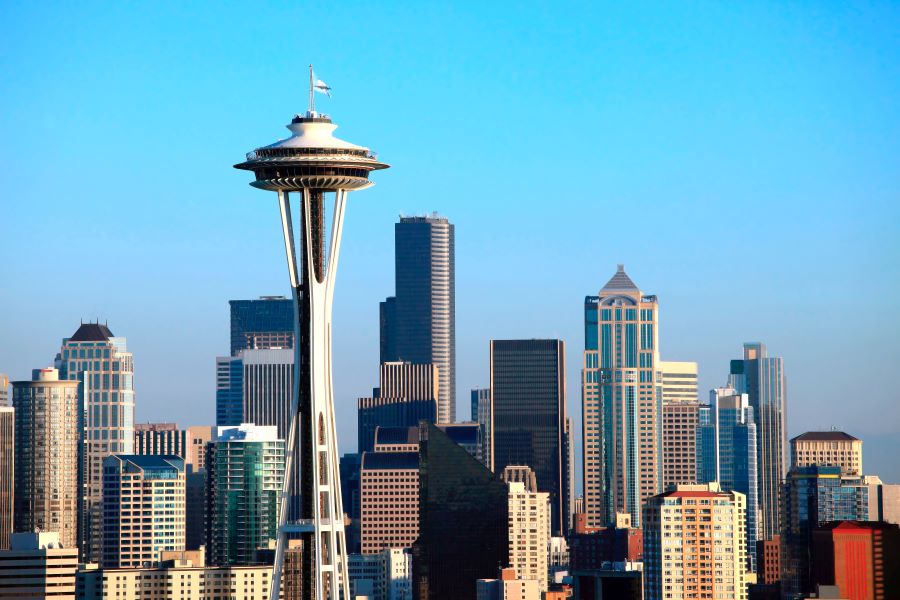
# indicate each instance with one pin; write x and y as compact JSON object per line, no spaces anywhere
{"x":312,"y":100}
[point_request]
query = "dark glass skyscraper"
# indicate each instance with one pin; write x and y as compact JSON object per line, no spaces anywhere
{"x":762,"y":378}
{"x":528,"y":422}
{"x":463,"y":514}
{"x":418,"y":324}
{"x":264,"y":323}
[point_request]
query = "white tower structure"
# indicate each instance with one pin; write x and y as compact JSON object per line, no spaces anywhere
{"x":313,"y":164}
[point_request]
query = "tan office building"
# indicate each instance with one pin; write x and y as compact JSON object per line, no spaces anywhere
{"x":7,"y":472}
{"x":695,"y":544}
{"x":38,"y":566}
{"x":389,"y":500}
{"x":46,"y":479}
{"x":175,"y":580}
{"x":822,"y":448}
{"x":679,"y":381}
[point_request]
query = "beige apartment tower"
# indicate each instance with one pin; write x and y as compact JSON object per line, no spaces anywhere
{"x":622,"y":401}
{"x":834,"y":448}
{"x":143,"y":506}
{"x":46,"y":474}
{"x":7,"y":472}
{"x":695,"y":544}
{"x":529,"y":533}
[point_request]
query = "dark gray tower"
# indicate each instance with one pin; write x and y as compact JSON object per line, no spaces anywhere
{"x":528,"y":416}
{"x":418,"y":324}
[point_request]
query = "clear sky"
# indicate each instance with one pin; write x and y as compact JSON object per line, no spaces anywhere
{"x":741,"y":159}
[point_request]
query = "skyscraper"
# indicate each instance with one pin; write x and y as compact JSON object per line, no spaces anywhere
{"x":622,"y":401}
{"x":7,"y":472}
{"x":254,"y":386}
{"x":727,"y":454}
{"x":812,"y":496}
{"x":104,"y":367}
{"x":418,"y":324}
{"x":47,"y":452}
{"x":463,"y":521}
{"x":38,"y":565}
{"x":680,"y":413}
{"x":407,"y":393}
{"x":481,"y":413}
{"x":143,"y":509}
{"x":762,"y":378}
{"x":694,"y":544}
{"x":244,"y":481}
{"x":261,"y":324}
{"x":859,"y":558}
{"x":528,"y":415}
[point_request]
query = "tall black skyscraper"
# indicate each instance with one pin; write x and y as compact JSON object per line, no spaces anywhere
{"x":418,"y":323}
{"x":260,"y":324}
{"x":463,"y":520}
{"x":528,"y":416}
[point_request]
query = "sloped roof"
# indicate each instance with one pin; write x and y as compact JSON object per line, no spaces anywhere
{"x":620,"y":282}
{"x":825,"y":436}
{"x":92,"y":332}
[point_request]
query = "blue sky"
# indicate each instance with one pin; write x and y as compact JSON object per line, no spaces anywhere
{"x":741,"y":160}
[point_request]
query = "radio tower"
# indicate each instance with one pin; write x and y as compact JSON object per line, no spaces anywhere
{"x":316,"y":166}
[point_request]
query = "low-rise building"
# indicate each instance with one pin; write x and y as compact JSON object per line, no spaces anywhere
{"x":37,"y":566}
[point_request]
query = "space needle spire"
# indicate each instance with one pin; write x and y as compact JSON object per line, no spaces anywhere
{"x":319,"y":169}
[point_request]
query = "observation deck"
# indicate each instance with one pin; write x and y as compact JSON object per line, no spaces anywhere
{"x":311,"y":158}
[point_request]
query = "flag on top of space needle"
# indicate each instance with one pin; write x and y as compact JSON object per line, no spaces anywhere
{"x":322,"y":87}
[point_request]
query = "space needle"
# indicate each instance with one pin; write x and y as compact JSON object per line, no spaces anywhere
{"x":320,"y":169}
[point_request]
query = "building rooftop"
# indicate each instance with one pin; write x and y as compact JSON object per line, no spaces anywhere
{"x":396,"y":435}
{"x":151,"y":462}
{"x":91,"y":332}
{"x":620,"y":282}
{"x":390,"y":460}
{"x":825,"y":436}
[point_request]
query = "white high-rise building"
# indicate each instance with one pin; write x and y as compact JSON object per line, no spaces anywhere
{"x":529,"y":533}
{"x":102,"y":364}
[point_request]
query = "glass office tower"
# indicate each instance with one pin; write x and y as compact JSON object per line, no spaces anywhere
{"x":418,"y":323}
{"x":264,"y":323}
{"x":463,"y":520}
{"x":762,"y":378}
{"x":727,"y":453}
{"x":528,"y":415}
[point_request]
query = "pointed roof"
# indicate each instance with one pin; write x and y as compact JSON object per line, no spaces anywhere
{"x":92,"y":332}
{"x":620,"y":282}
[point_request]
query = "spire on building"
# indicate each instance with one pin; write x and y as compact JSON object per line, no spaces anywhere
{"x":620,"y":282}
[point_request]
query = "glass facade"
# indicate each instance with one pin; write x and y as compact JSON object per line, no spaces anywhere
{"x":418,"y":324}
{"x":727,"y":454}
{"x":812,"y":496}
{"x":762,"y":378}
{"x":463,"y":513}
{"x":528,"y":415}
{"x":264,"y":323}
{"x":244,"y":481}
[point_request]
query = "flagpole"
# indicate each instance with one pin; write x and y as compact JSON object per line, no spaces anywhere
{"x":312,"y":100}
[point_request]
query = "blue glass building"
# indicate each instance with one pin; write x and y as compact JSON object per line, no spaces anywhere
{"x":264,"y":323}
{"x":726,"y":453}
{"x":812,"y":496}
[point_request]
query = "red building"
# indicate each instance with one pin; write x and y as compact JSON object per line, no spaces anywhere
{"x":768,"y":557}
{"x":862,"y":558}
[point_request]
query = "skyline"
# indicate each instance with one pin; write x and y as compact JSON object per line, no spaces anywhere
{"x":650,"y":170}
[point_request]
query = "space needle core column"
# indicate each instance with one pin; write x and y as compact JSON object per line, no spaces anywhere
{"x":314,"y":164}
